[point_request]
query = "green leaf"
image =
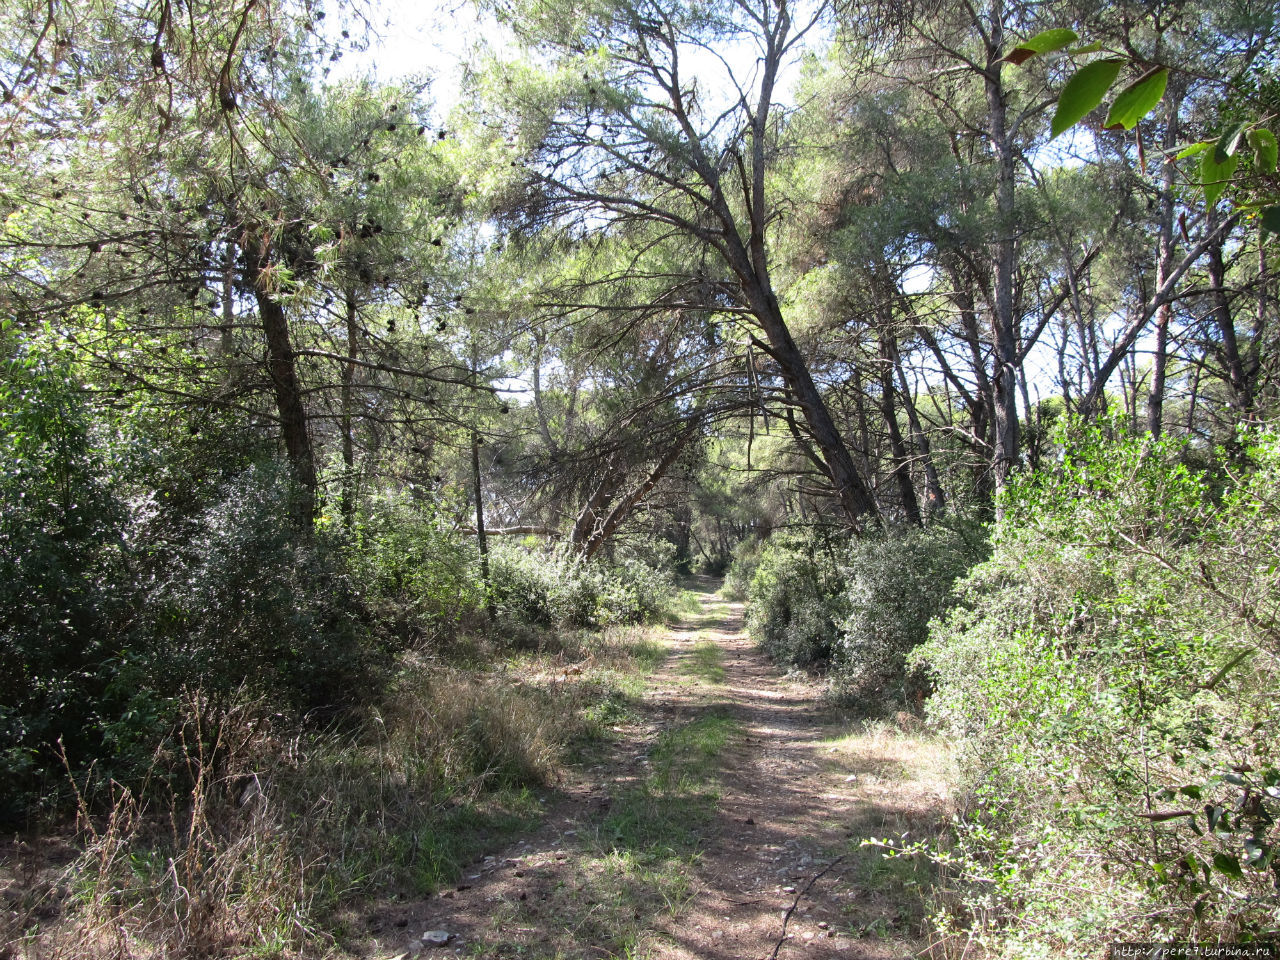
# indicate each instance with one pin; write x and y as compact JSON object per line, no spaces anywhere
{"x":1228,"y":865}
{"x":1087,"y":48}
{"x":1228,"y":143}
{"x":1256,"y":852}
{"x":1083,"y":93}
{"x":1138,"y":99}
{"x":1269,"y":218}
{"x":1263,"y":142}
{"x":1215,"y":814}
{"x":1192,"y":150}
{"x":1046,"y":42}
{"x":1214,"y":176}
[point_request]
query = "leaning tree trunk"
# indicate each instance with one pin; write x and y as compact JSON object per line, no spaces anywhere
{"x":851,"y":490}
{"x":1242,"y":392}
{"x":897,"y":447}
{"x":282,"y":369}
{"x":623,"y":509}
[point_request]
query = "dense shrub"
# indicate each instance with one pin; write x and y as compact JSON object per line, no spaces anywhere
{"x":134,"y":567}
{"x":551,"y":587}
{"x":855,"y":608}
{"x":1111,"y":679}
{"x":249,"y":600}
{"x":798,"y":599}
{"x":742,"y":569}
{"x":64,"y":599}
{"x":896,"y":584}
{"x":417,"y":577}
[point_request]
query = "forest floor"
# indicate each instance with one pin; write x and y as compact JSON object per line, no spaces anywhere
{"x":723,"y":820}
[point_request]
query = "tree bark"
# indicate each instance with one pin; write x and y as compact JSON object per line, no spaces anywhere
{"x":584,"y":527}
{"x":282,"y":368}
{"x":935,"y":500}
{"x":1164,"y":267}
{"x":482,"y":542}
{"x":628,"y":503}
{"x":1003,"y":322}
{"x":348,"y":412}
{"x":1242,"y":399}
{"x":1094,"y":397}
{"x":897,"y":448}
{"x":851,"y":490}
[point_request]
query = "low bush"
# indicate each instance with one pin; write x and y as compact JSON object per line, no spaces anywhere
{"x":552,"y":587}
{"x":418,"y":578}
{"x":742,"y":568}
{"x":896,"y":584}
{"x":853,"y":609}
{"x":1111,"y":680}
{"x":797,"y":599}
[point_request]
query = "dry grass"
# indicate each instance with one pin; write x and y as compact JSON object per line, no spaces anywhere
{"x":267,"y":840}
{"x":899,"y":778}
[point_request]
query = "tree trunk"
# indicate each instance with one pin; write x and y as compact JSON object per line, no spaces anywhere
{"x":1242,"y":399}
{"x":1003,"y":322}
{"x":935,"y":501}
{"x":348,"y":408}
{"x":482,"y":542}
{"x":1164,"y":267}
{"x":284,"y":381}
{"x":852,"y":492}
{"x":897,"y":448}
{"x":628,"y":503}
{"x":584,"y":527}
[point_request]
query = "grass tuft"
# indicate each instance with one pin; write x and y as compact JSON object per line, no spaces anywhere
{"x":706,"y":662}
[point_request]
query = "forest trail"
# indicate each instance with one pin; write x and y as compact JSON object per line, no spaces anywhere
{"x":731,"y":805}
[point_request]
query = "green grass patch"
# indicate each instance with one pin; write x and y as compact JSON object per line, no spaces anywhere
{"x":422,"y":854}
{"x":666,"y":816}
{"x":685,"y":604}
{"x":647,"y":654}
{"x":432,"y":854}
{"x":706,"y":662}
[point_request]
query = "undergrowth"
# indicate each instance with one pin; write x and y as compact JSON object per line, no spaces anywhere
{"x":273,"y":835}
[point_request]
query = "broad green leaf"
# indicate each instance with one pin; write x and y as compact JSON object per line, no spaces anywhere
{"x":1138,"y":99}
{"x":1226,"y":864}
{"x":1215,"y":815}
{"x":1046,"y":42}
{"x":1269,"y":218}
{"x":1083,"y":93}
{"x":1228,"y":143}
{"x":1263,"y":142}
{"x":1192,"y":150}
{"x":1087,"y":48}
{"x":1256,"y":853}
{"x":1214,"y":176}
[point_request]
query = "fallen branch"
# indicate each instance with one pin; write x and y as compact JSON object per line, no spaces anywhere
{"x":786,"y":917}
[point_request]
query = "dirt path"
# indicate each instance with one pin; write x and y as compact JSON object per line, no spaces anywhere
{"x":732,"y":804}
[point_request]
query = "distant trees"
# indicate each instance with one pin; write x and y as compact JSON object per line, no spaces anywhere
{"x":619,"y":132}
{"x":884,"y":263}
